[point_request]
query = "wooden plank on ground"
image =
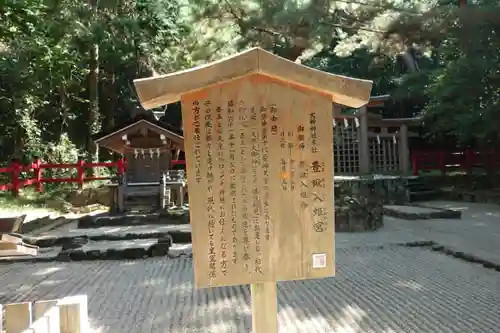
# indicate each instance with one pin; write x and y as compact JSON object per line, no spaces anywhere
{"x":18,"y":317}
{"x":74,"y":314}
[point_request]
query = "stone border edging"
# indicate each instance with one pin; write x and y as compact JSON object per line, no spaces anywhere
{"x":456,"y":254}
{"x":439,"y":213}
{"x":40,"y":225}
{"x":164,"y":218}
{"x":178,"y":237}
{"x":160,"y":249}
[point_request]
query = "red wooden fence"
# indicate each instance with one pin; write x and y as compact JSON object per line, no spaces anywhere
{"x":37,"y":167}
{"x":463,"y":160}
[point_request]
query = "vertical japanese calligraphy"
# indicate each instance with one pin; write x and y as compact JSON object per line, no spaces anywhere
{"x":243,"y":182}
{"x":208,"y":131}
{"x":291,"y":145}
{"x":262,"y":196}
{"x":312,"y":129}
{"x":232,"y":177}
{"x":256,"y":191}
{"x":197,"y":140}
{"x":274,"y":119}
{"x":221,"y":163}
{"x":265,"y":169}
{"x":317,"y":180}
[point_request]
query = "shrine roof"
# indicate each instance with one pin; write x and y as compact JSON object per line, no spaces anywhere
{"x":165,"y":89}
{"x":129,"y":127}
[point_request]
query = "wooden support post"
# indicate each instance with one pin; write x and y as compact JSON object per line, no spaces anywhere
{"x":264,"y":307}
{"x":163,"y":191}
{"x":181,"y":195}
{"x":364,"y":149}
{"x":121,"y":193}
{"x":74,"y":314}
{"x":16,"y":171}
{"x":404,"y":153}
{"x":37,"y":173}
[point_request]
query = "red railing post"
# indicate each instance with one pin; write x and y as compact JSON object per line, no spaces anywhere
{"x":37,"y":171}
{"x":16,"y":171}
{"x":414,"y":163}
{"x":120,"y":165}
{"x":81,"y":173}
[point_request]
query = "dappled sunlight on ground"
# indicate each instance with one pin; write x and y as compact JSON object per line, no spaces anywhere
{"x":409,"y":284}
{"x":47,"y":271}
{"x":379,"y":290}
{"x":379,"y":287}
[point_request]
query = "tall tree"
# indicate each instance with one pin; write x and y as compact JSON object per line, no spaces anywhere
{"x":45,"y":69}
{"x":298,"y":29}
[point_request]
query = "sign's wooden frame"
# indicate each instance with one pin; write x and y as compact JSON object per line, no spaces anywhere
{"x":251,"y":80}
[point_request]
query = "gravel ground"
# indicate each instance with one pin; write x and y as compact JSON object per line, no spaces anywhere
{"x":380,"y":290}
{"x":394,"y":289}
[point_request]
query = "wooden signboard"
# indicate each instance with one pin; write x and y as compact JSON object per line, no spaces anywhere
{"x":258,"y":133}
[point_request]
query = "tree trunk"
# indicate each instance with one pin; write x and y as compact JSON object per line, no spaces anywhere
{"x":93,"y":121}
{"x":409,"y":61}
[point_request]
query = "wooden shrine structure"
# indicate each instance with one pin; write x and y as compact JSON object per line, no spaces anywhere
{"x":367,"y":143}
{"x":148,"y":147}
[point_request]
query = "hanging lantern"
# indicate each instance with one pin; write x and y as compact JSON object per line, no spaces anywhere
{"x":356,"y":121}
{"x":334,"y":123}
{"x":136,"y":153}
{"x":394,"y":140}
{"x":142,"y":153}
{"x":346,"y":123}
{"x":158,"y":152}
{"x":150,"y":153}
{"x":378,"y":139}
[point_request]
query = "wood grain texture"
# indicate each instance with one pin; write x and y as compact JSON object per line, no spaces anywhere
{"x":18,"y":317}
{"x":264,"y":307}
{"x":260,"y":180}
{"x":165,"y":89}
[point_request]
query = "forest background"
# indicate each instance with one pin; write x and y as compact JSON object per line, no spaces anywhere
{"x":67,"y":66}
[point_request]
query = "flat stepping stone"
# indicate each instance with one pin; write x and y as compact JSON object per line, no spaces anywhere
{"x":109,"y":250}
{"x":417,"y":212}
{"x":179,"y":233}
{"x":175,"y":216}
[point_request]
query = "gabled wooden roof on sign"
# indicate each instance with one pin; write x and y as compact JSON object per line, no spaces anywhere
{"x":165,"y":89}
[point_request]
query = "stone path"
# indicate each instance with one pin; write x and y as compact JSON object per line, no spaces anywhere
{"x":379,"y":287}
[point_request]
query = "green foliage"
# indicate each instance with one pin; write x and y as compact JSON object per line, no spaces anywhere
{"x":430,"y":55}
{"x":460,"y":80}
{"x":44,"y":67}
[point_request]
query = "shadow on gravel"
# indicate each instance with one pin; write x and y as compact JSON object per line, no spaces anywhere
{"x":379,"y":290}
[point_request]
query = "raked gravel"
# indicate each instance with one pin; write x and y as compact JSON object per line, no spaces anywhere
{"x":379,"y":290}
